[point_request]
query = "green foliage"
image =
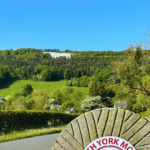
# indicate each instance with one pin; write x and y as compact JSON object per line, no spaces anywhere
{"x":49,"y":87}
{"x":40,"y":99}
{"x":67,"y":74}
{"x":125,"y":93}
{"x":79,"y":82}
{"x":146,"y":114}
{"x":77,"y":97}
{"x":94,"y":89}
{"x":143,"y":101}
{"x":19,"y":103}
{"x":84,"y":81}
{"x":46,"y":75}
{"x":27,"y":90}
{"x":18,"y":95}
{"x":102,"y":74}
{"x":29,"y":103}
{"x":91,"y":103}
{"x":8,"y":103}
{"x":58,"y":98}
{"x":65,"y":97}
{"x":28,"y":118}
{"x":40,"y":68}
{"x":29,"y":63}
{"x":135,"y":79}
{"x":6,"y":74}
{"x":66,"y":106}
{"x":101,"y":89}
{"x":66,"y":91}
{"x":8,"y":97}
{"x":131,"y":70}
{"x":51,"y":74}
{"x":147,"y":69}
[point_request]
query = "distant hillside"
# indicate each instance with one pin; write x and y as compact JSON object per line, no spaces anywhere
{"x":27,"y":63}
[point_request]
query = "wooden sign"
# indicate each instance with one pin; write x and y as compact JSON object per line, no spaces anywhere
{"x":105,"y":129}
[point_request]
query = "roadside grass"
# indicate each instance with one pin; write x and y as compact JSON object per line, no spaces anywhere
{"x":14,"y":86}
{"x":10,"y":134}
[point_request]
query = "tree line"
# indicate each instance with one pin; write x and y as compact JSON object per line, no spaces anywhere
{"x":124,"y":76}
{"x":27,"y":63}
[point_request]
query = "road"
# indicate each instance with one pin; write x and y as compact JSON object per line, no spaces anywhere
{"x":43,"y":142}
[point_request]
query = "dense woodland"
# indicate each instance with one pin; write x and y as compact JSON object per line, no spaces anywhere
{"x":108,"y":74}
{"x":32,"y":63}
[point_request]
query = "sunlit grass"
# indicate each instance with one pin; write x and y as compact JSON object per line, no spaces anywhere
{"x":16,"y":133}
{"x":84,"y":90}
{"x":14,"y":86}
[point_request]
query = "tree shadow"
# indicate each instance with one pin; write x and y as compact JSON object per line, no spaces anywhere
{"x":8,"y":83}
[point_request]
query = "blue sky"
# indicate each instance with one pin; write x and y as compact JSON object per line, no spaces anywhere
{"x":73,"y":24}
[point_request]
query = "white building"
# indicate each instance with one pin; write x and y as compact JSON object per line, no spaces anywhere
{"x":120,"y":103}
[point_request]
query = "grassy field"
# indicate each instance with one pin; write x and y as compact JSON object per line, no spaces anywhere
{"x":14,"y":86}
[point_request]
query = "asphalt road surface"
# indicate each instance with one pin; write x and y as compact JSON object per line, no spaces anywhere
{"x":43,"y":142}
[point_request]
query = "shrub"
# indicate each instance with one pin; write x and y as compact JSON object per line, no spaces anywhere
{"x":91,"y":103}
{"x":40,"y":99}
{"x":18,"y":95}
{"x":66,"y":106}
{"x":31,"y":117}
{"x":27,"y":90}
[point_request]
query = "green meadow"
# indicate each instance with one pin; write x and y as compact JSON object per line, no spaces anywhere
{"x":14,"y":86}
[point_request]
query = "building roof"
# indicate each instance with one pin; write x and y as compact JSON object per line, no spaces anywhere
{"x":121,"y":103}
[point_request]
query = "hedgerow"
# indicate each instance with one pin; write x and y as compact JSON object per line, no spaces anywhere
{"x":31,"y":117}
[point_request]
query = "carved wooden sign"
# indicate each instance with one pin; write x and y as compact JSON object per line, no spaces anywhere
{"x":105,"y":129}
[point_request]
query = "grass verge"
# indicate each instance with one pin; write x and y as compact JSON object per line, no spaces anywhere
{"x":10,"y":134}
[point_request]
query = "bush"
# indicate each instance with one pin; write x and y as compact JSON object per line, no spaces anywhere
{"x":66,"y":106}
{"x":91,"y":103}
{"x":18,"y":95}
{"x":18,"y":103}
{"x":31,"y":118}
{"x":40,"y":99}
{"x":27,"y":90}
{"x":8,"y":103}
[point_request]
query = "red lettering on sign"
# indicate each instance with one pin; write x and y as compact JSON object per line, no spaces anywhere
{"x":116,"y":141}
{"x":111,"y":140}
{"x":124,"y":145}
{"x":129,"y":148}
{"x":92,"y":147}
{"x":99,"y":142}
{"x":104,"y":141}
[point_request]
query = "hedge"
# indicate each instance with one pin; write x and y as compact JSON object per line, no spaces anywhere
{"x":32,"y":117}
